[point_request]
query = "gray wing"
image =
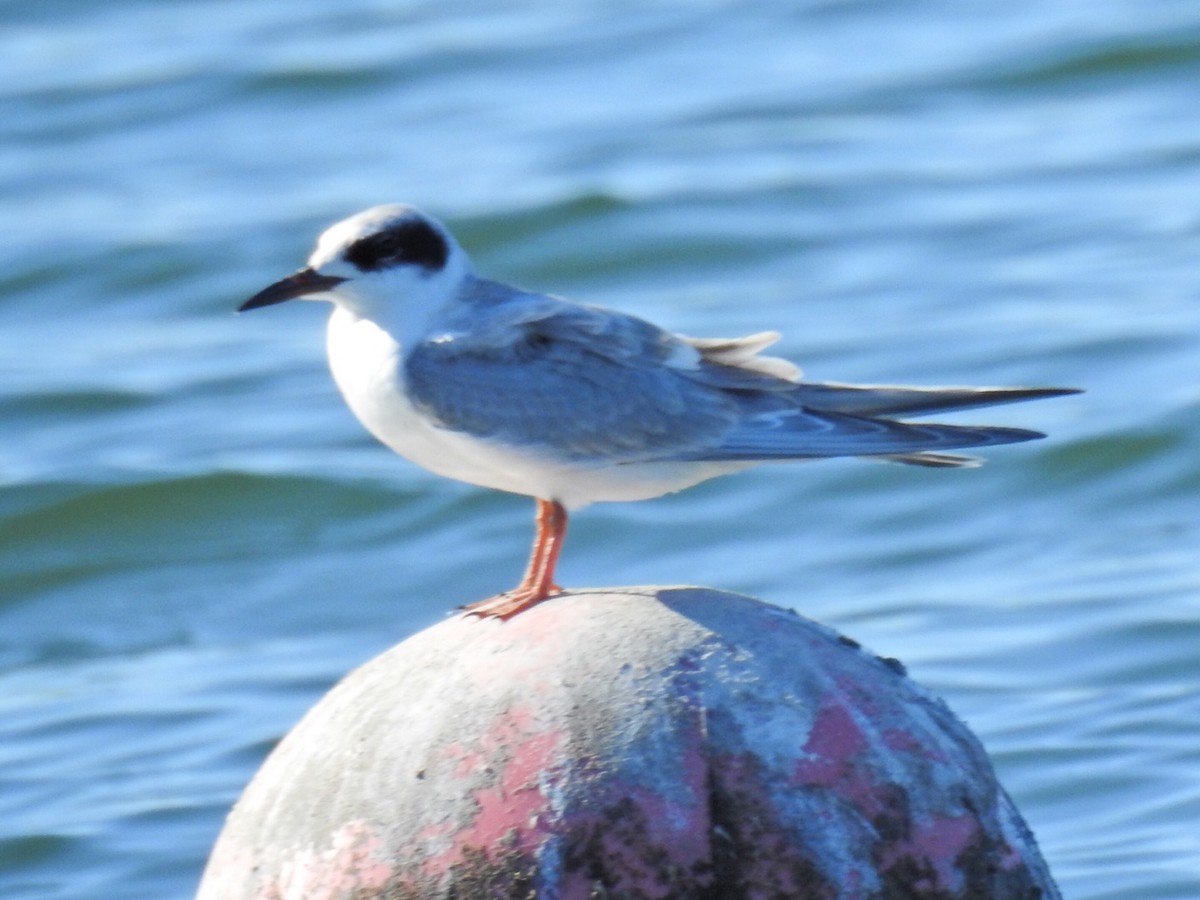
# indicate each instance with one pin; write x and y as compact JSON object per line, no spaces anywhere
{"x":581,"y":383}
{"x":573,"y":382}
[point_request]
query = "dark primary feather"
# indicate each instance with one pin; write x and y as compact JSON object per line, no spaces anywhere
{"x":894,"y":400}
{"x":813,"y":433}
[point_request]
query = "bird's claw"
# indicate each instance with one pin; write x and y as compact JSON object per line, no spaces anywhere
{"x":505,"y":606}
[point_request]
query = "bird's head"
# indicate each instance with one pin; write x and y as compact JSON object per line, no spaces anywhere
{"x":375,"y":263}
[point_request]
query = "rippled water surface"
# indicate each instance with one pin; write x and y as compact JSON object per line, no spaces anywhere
{"x":197,"y":539}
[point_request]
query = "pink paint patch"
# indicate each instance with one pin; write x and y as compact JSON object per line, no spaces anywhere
{"x":835,"y":735}
{"x":906,"y":742}
{"x":947,"y":837}
{"x":469,"y":761}
{"x":512,"y":811}
{"x":492,"y":744}
{"x":833,"y":760}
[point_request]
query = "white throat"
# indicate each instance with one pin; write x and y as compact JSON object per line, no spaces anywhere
{"x":402,"y":302}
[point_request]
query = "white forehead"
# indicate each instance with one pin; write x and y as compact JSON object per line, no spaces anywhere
{"x":339,"y":236}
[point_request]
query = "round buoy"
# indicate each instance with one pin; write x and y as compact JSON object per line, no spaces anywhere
{"x":627,"y":743}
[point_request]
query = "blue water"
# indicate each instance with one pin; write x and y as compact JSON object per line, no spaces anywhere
{"x":197,"y":539}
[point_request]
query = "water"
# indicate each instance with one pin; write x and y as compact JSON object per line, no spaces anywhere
{"x":196,"y":539}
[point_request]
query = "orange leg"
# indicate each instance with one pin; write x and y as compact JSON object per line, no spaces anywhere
{"x":538,"y":582}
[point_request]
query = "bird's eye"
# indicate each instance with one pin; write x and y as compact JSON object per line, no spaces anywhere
{"x":405,"y":242}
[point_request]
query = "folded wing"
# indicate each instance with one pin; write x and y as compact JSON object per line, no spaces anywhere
{"x":591,"y":386}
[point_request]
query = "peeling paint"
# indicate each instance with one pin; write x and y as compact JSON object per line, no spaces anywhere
{"x":646,"y":743}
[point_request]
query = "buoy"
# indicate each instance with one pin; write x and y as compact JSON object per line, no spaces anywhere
{"x":655,"y":742}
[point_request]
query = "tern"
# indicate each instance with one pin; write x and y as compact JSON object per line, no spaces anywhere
{"x":574,"y":404}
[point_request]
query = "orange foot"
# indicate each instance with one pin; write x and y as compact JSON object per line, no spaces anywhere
{"x":506,"y":605}
{"x":538,"y":583}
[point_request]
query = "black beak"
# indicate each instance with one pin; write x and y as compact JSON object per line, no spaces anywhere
{"x":302,"y":283}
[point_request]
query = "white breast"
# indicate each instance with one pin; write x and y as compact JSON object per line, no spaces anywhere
{"x":366,"y":363}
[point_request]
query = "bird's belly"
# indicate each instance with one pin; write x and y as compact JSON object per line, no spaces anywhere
{"x":367,"y":366}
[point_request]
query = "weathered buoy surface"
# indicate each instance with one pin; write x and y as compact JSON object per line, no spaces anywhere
{"x":630,"y":743}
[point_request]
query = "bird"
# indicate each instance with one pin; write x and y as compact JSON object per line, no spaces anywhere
{"x":573,"y":404}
